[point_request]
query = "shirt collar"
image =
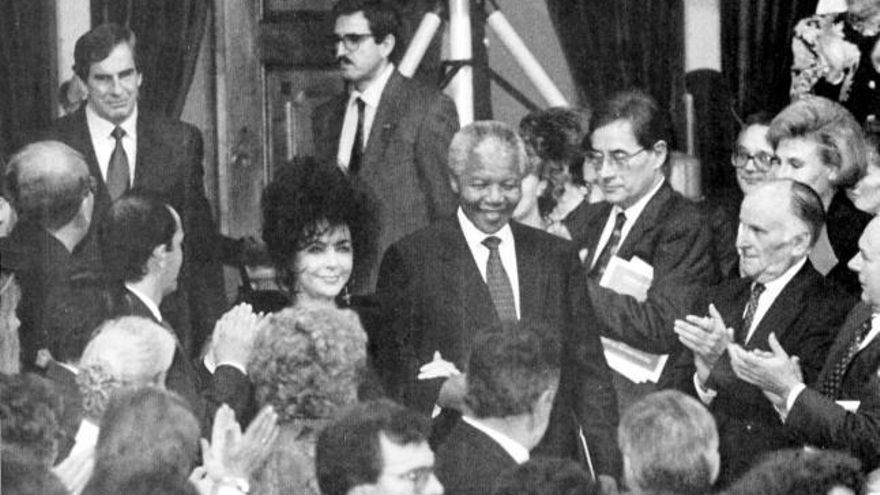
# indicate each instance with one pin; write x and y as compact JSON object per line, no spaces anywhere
{"x":775,"y":286}
{"x":475,"y":236}
{"x":373,"y":93}
{"x":636,"y":209}
{"x":516,"y":450}
{"x":149,"y":303}
{"x":98,"y":126}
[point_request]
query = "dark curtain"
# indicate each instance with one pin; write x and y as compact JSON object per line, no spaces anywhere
{"x":620,"y":44}
{"x":169,"y":33}
{"x":756,"y":50}
{"x":27,"y":69}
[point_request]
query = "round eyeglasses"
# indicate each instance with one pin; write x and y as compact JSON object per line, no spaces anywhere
{"x":619,"y":159}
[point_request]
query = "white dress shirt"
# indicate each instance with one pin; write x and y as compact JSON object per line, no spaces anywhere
{"x":506,"y":250}
{"x":371,"y":97}
{"x":772,"y":289}
{"x":149,"y":303}
{"x":632,"y":214}
{"x":104,"y":143}
{"x":519,"y":453}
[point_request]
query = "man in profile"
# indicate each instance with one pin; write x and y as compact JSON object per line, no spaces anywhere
{"x":376,"y":447}
{"x":388,"y":131}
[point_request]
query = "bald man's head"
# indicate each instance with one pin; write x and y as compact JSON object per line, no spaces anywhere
{"x":47,"y":182}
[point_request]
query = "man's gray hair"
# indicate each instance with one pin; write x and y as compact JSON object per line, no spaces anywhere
{"x":467,"y":141}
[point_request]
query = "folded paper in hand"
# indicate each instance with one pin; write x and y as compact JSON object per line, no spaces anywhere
{"x":632,"y":278}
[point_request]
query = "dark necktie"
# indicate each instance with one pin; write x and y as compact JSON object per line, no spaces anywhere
{"x":118,"y":174}
{"x":610,"y":248}
{"x":357,"y":149}
{"x":499,"y":285}
{"x":831,"y":385}
{"x":751,"y":308}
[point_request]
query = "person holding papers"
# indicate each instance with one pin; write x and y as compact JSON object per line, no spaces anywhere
{"x":779,"y":292}
{"x":841,"y":409}
{"x":644,"y":222}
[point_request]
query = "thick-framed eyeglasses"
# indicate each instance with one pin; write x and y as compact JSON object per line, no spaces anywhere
{"x":763,"y":161}
{"x":350,"y":41}
{"x":619,"y":159}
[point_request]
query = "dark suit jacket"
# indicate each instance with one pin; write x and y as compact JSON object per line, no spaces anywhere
{"x":845,"y":225}
{"x":817,"y":420}
{"x":169,"y":164}
{"x":435,"y":300}
{"x":673,"y":236}
{"x":404,"y":163}
{"x":804,"y":317}
{"x":469,"y":461}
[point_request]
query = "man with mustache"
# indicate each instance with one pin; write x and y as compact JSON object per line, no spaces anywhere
{"x":126,"y":146}
{"x":388,"y":131}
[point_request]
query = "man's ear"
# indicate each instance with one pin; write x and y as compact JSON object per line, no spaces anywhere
{"x":660,"y":149}
{"x":159,"y":254}
{"x":453,"y":183}
{"x":801,"y":243}
{"x":387,"y":45}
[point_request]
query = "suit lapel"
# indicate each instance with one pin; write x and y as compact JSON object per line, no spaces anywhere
{"x":532,"y":280}
{"x":856,"y":317}
{"x":81,"y":140}
{"x":646,"y":221}
{"x":146,"y":147}
{"x":731,"y":304}
{"x":462,"y":276}
{"x":388,"y":115}
{"x":333,"y":126}
{"x":784,"y":310}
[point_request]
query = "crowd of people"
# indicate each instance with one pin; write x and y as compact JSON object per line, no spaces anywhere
{"x":446,"y":298}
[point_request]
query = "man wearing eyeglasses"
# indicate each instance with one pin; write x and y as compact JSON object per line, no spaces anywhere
{"x":641,"y":217}
{"x":390,"y":132}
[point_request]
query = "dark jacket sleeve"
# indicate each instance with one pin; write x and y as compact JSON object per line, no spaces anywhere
{"x":432,"y":147}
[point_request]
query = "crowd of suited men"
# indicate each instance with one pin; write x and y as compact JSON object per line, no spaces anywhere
{"x":444,"y":299}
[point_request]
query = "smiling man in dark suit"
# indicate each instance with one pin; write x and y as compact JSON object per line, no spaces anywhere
{"x":389,"y":131}
{"x":780,"y":292}
{"x":442,"y":285}
{"x":841,"y":409}
{"x":128,"y":147}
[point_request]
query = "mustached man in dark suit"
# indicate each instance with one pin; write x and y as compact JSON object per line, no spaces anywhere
{"x":512,"y":378}
{"x":389,"y":131}
{"x":641,"y":217}
{"x":780,"y":292}
{"x":841,"y":409}
{"x":441,"y":285}
{"x":129,"y":147}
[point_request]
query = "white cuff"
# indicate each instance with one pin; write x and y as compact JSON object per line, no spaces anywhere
{"x":211,"y":366}
{"x":789,"y":401}
{"x":707,"y":395}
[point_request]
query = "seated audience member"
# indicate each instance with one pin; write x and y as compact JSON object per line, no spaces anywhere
{"x":376,"y":447}
{"x":140,"y":240}
{"x":50,"y":187}
{"x":641,"y":217}
{"x":143,"y":430}
{"x":670,"y":446}
{"x":865,"y":195}
{"x":752,"y":158}
{"x":545,"y":476}
{"x":126,"y":352}
{"x":29,"y":419}
{"x":802,"y":472}
{"x":780,"y":292}
{"x":307,"y":363}
{"x":819,"y":143}
{"x":552,"y":138}
{"x":511,"y":382}
{"x":22,"y":478}
{"x":841,"y":408}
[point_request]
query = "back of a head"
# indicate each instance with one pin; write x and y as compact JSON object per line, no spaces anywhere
{"x":307,"y":362}
{"x":349,"y":452}
{"x":30,"y":416}
{"x":131,"y":229}
{"x":47,"y":182}
{"x":510,"y":368}
{"x":145,"y":430}
{"x":649,"y":122}
{"x":801,"y":472}
{"x":840,"y":138}
{"x":555,"y":133}
{"x":545,"y":476}
{"x":669,"y":443}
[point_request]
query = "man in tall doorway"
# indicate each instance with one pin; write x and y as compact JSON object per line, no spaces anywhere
{"x":390,"y":132}
{"x":126,"y":146}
